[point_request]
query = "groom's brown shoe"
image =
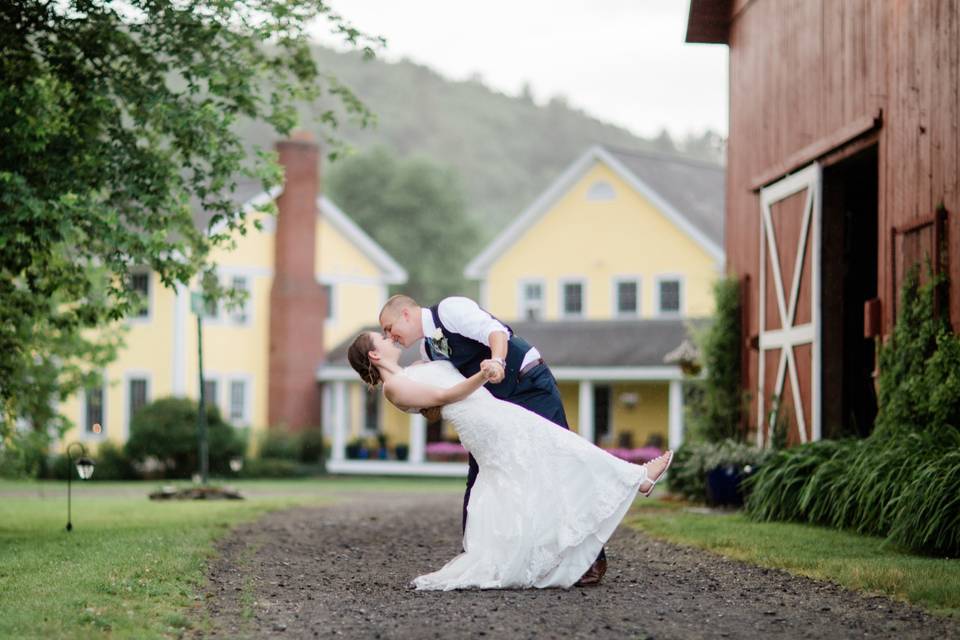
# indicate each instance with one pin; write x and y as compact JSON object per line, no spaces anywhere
{"x":593,"y":575}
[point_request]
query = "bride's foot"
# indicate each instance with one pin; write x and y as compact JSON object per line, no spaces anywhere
{"x":655,"y":470}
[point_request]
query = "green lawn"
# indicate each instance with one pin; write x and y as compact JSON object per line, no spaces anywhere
{"x":131,"y":568}
{"x":857,"y":562}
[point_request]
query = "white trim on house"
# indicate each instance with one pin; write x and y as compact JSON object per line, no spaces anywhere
{"x":478,"y":268}
{"x":398,"y":468}
{"x":180,"y":313}
{"x":393,"y":273}
{"x":561,"y":307}
{"x":615,"y":297}
{"x":522,"y":300}
{"x":128,"y":376}
{"x":216,"y":377}
{"x":681,"y":294}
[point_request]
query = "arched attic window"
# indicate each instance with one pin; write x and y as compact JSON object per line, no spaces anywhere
{"x":601,"y":190}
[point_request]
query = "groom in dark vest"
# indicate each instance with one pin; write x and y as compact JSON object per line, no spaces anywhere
{"x":458,"y":330}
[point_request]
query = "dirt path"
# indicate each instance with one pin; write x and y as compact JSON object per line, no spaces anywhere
{"x":341,"y":571}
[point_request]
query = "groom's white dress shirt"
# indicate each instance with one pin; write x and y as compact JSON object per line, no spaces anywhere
{"x":464,"y":316}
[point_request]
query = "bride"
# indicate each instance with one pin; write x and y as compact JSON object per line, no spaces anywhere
{"x":545,"y":501}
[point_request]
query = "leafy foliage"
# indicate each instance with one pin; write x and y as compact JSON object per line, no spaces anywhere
{"x":166,"y":429}
{"x":716,"y":402}
{"x":693,"y":460}
{"x":116,"y":119}
{"x":406,"y":205}
{"x":903,"y":481}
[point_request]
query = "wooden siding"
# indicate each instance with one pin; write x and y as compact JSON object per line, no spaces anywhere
{"x":806,"y":76}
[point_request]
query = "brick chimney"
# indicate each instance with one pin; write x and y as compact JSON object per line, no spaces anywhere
{"x":297,"y":305}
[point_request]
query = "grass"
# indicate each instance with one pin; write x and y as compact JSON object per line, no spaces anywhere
{"x":131,"y":568}
{"x":862,"y":563}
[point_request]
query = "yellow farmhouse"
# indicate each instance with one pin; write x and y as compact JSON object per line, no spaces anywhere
{"x":603,"y":273}
{"x":251,"y":367}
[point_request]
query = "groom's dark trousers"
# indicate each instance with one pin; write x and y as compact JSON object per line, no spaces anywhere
{"x":536,"y":391}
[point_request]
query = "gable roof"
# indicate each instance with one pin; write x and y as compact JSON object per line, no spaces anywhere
{"x":688,"y":192}
{"x":393,"y":273}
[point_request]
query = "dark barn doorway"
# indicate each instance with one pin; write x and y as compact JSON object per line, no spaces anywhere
{"x":849,"y":278}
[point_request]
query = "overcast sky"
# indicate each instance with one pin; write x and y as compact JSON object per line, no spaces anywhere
{"x":622,"y":61}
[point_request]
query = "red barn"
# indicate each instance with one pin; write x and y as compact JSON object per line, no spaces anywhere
{"x":843,"y":169}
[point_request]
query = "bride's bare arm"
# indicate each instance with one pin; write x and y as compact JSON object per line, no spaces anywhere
{"x":404,"y":392}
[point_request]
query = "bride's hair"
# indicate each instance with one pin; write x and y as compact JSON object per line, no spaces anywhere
{"x":360,"y":361}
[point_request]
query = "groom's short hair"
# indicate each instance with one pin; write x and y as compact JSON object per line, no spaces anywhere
{"x":398,"y":302}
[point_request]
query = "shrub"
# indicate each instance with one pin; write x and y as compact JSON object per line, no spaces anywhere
{"x":276,"y":468}
{"x":902,"y":482}
{"x":166,"y":429}
{"x":715,"y":405}
{"x":280,"y":444}
{"x":112,"y":463}
{"x":693,"y":460}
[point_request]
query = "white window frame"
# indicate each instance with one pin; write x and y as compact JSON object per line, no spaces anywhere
{"x":522,"y":301}
{"x":147,"y":319}
{"x":682,"y":294}
{"x":615,"y":297}
{"x":247,"y":381}
{"x":128,"y":376}
{"x":563,"y":282}
{"x":93,"y":437}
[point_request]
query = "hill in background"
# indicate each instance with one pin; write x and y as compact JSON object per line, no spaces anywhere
{"x":505,"y":149}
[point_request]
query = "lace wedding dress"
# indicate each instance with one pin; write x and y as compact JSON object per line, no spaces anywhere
{"x":545,"y":502}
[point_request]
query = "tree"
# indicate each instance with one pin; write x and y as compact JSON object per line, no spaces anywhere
{"x":415,"y":210}
{"x":117,"y":120}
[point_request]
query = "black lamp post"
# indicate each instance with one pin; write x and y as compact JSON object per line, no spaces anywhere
{"x":84,"y":470}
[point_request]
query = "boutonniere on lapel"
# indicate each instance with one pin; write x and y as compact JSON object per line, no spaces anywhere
{"x":439,"y":343}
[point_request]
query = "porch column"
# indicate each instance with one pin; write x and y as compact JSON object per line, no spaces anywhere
{"x":585,"y":413}
{"x":418,"y":438}
{"x":339,"y":452}
{"x":675,"y":433}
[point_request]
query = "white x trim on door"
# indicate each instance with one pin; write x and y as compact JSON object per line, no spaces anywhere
{"x":790,"y":335}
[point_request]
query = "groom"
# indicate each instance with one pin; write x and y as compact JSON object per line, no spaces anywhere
{"x":458,"y":330}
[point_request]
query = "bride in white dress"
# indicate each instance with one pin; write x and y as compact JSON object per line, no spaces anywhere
{"x":545,"y":501}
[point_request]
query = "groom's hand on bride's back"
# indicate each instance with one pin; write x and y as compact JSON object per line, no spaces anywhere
{"x":432,"y":414}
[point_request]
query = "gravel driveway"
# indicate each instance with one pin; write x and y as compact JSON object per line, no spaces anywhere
{"x":342,"y":570}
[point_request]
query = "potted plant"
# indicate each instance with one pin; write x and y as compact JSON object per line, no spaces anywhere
{"x":402,"y":451}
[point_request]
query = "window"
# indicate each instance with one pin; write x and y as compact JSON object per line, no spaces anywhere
{"x":371,"y":412}
{"x":572,"y":301}
{"x":531,"y":300}
{"x":601,"y":413}
{"x":627,"y":297}
{"x":328,"y":293}
{"x":238,"y":402}
{"x":601,"y":190}
{"x":140,"y":284}
{"x":669,"y":296}
{"x":210,"y":391}
{"x":241,"y":313}
{"x":137,"y":395}
{"x":93,"y":411}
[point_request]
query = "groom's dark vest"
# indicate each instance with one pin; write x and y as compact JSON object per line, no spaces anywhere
{"x":466,"y":354}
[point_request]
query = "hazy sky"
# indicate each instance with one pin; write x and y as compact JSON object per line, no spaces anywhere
{"x":623,"y":61}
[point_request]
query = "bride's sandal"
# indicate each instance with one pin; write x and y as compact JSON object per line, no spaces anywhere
{"x":653,"y":482}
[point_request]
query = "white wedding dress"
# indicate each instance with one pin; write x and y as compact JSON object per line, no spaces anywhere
{"x":544,"y":503}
